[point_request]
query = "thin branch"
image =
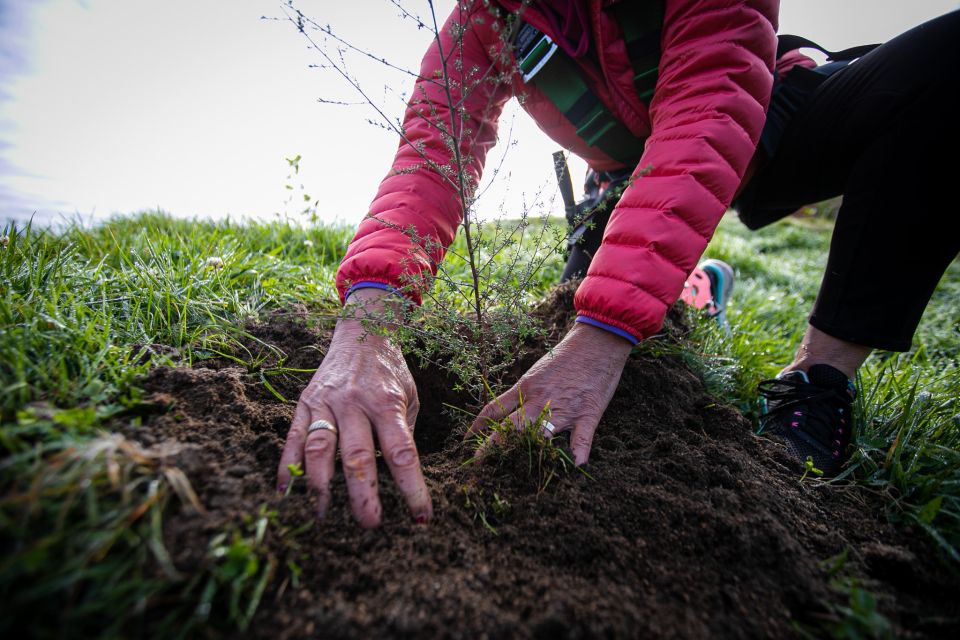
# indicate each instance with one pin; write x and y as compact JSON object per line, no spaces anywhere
{"x":460,"y":177}
{"x":398,"y":130}
{"x":305,"y":20}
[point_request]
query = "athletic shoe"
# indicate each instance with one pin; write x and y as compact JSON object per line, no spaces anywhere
{"x":811,"y":413}
{"x":709,"y":287}
{"x":721,"y":286}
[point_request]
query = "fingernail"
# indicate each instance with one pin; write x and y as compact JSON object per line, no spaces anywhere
{"x":422,"y":518}
{"x":282,"y":487}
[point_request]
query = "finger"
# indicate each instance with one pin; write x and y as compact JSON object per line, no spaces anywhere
{"x":293,"y":447}
{"x":581,"y":441}
{"x":497,"y":438}
{"x":359,"y":466}
{"x":540,"y":420}
{"x":319,"y":454}
{"x":413,"y":409}
{"x":495,"y":411}
{"x":519,"y":422}
{"x":400,"y":451}
{"x":549,"y":429}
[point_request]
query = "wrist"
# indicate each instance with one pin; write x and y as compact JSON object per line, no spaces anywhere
{"x":369,"y":284}
{"x":619,"y":331}
{"x":601,"y":341}
{"x":366,"y":297}
{"x":369,"y":313}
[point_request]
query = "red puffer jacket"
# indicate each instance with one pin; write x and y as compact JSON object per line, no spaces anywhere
{"x":701,"y":130}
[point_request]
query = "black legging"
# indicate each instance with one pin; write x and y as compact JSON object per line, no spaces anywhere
{"x":884,"y":133}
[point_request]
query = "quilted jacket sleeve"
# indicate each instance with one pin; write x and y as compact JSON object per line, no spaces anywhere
{"x":414,"y":216}
{"x":706,"y":117}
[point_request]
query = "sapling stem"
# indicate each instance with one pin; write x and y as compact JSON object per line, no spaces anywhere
{"x":465,"y":203}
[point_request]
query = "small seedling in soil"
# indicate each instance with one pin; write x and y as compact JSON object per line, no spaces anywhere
{"x":500,"y":505}
{"x":808,"y":468}
{"x":243,"y":566}
{"x":479,"y":507}
{"x":858,"y":617}
{"x":296,"y":471}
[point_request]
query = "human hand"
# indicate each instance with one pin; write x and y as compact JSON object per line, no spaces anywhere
{"x":362,"y":386}
{"x":577,"y":378}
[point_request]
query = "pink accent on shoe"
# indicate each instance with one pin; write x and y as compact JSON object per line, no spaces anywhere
{"x":794,"y":424}
{"x":696,"y":290}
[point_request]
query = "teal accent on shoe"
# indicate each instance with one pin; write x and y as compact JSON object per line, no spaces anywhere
{"x":721,"y":286}
{"x":722,"y":279}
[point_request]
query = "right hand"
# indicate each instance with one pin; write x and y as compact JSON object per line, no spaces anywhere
{"x":362,"y":386}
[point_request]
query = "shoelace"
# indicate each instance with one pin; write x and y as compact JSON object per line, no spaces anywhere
{"x":822,"y":405}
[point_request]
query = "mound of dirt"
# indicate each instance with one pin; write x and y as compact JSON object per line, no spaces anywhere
{"x":687,"y":526}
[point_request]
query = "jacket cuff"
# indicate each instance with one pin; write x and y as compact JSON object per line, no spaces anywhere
{"x":606,"y":327}
{"x":368,"y":284}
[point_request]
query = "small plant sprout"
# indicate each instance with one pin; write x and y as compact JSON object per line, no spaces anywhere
{"x":500,"y":505}
{"x":808,"y":468}
{"x":215,"y":262}
{"x":242,"y":567}
{"x":296,"y":471}
{"x":860,"y":617}
{"x":478,"y":507}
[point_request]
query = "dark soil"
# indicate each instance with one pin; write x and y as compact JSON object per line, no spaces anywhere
{"x":689,"y":526}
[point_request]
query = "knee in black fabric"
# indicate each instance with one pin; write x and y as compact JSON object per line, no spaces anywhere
{"x":755,"y":213}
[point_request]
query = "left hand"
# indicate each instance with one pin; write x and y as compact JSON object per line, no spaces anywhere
{"x":577,"y":378}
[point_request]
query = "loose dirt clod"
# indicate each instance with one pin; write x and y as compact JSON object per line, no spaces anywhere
{"x":689,"y":526}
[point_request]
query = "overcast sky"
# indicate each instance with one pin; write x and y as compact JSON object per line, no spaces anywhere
{"x":192,"y":106}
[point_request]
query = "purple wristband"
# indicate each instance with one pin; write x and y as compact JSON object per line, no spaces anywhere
{"x":370,"y":285}
{"x":606,"y":327}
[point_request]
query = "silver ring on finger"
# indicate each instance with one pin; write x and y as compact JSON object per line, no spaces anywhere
{"x":322,"y":425}
{"x":549,"y":426}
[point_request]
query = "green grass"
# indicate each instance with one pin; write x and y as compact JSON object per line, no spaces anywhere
{"x":81,"y":510}
{"x":76,"y":307}
{"x":77,"y":310}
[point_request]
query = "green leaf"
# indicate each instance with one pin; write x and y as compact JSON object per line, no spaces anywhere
{"x":296,"y":469}
{"x":930,"y":510}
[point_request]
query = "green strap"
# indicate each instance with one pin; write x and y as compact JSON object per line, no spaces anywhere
{"x":561,"y":80}
{"x":641,"y":23}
